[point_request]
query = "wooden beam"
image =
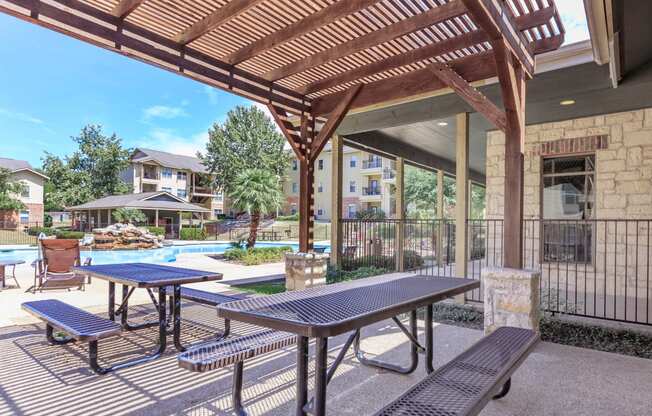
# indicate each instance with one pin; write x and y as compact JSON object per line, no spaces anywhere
{"x":125,"y":7}
{"x":80,"y":21}
{"x":463,"y":41}
{"x":428,"y":18}
{"x":301,"y":27}
{"x":291,"y":135}
{"x":472,"y":68}
{"x":496,"y":19}
{"x":334,"y":120}
{"x":468,"y":93}
{"x":229,"y":11}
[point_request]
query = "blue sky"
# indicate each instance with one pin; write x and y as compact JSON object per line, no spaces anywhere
{"x":51,"y":85}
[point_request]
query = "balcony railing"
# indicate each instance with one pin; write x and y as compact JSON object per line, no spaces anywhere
{"x":371,"y":191}
{"x":372,"y":164}
{"x":389,"y":173}
{"x":591,"y":268}
{"x":151,"y":175}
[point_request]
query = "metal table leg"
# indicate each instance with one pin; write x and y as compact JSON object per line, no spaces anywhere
{"x":124,"y":311}
{"x":429,"y":340}
{"x":176,"y":316}
{"x":162,"y":340}
{"x":302,"y":375}
{"x":112,"y":301}
{"x":321,"y":376}
{"x":414,"y":350}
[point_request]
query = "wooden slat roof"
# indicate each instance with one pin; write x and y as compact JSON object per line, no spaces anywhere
{"x":302,"y":55}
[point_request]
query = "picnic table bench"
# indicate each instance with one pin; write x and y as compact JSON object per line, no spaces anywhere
{"x":464,"y":386}
{"x":78,"y":324}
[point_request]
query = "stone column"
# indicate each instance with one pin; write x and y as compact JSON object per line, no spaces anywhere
{"x":511,"y":298}
{"x":304,"y":270}
{"x":336,"y":201}
{"x":400,"y":214}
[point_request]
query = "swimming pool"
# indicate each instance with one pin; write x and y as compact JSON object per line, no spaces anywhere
{"x":158,"y":255}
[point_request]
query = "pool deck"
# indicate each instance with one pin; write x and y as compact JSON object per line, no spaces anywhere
{"x":41,"y":379}
{"x":94,"y":298}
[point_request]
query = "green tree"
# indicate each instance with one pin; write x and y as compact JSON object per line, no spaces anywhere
{"x":9,"y":191}
{"x":258,"y":192}
{"x":91,"y":172}
{"x":128,"y":215}
{"x":247,"y":139}
{"x":421,"y":192}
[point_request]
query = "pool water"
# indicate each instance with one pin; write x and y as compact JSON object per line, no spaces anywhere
{"x":158,"y":255}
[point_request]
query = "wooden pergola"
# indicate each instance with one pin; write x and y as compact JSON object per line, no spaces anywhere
{"x":315,"y":60}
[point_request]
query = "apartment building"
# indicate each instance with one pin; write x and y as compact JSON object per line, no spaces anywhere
{"x":182,"y":176}
{"x":369,"y":184}
{"x":31,"y":196}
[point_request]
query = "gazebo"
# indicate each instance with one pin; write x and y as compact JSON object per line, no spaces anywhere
{"x":313,"y":62}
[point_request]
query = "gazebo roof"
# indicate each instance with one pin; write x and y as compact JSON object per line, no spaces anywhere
{"x":304,"y":55}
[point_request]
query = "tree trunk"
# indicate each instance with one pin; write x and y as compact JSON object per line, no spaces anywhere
{"x":253,"y":229}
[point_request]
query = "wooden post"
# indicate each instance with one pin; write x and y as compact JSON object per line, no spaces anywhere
{"x":336,"y":200}
{"x":306,"y":205}
{"x":400,"y":214}
{"x":461,"y":195}
{"x":441,"y":214}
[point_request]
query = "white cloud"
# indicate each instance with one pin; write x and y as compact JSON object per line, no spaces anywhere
{"x":169,"y":141}
{"x":20,"y":116}
{"x":212,"y":94}
{"x":163,"y":111}
{"x":573,"y":17}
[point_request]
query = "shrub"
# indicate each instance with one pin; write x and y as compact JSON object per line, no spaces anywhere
{"x":35,"y":231}
{"x":411,"y":260}
{"x":157,"y":230}
{"x":338,"y":275}
{"x":193,"y":234}
{"x":47,"y":220}
{"x":70,"y":235}
{"x":257,"y":255}
{"x":293,"y":217}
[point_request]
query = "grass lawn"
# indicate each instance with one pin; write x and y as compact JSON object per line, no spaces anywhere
{"x":264,"y":288}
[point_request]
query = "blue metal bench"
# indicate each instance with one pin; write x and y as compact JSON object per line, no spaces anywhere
{"x":78,"y":324}
{"x":467,"y":383}
{"x":234,"y":351}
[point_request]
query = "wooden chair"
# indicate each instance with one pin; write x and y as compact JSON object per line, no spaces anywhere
{"x":54,"y":269}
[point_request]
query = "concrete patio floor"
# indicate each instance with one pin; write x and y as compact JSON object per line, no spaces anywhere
{"x":39,"y":379}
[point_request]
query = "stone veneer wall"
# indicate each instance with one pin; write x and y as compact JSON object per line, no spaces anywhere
{"x":622,"y":143}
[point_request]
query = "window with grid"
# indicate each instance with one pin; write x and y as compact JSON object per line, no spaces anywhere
{"x":567,"y":203}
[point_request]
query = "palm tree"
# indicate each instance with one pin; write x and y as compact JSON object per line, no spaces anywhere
{"x":258,"y":192}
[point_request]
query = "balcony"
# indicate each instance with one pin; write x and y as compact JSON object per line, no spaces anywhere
{"x":372,"y":166}
{"x":371,"y":193}
{"x":151,"y":174}
{"x":389,"y":175}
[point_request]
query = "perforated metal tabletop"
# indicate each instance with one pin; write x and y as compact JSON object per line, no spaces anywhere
{"x":143,"y":275}
{"x":334,"y":309}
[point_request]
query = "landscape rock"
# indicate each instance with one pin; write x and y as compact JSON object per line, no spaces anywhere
{"x":123,"y":237}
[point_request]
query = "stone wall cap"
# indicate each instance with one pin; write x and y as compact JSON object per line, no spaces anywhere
{"x":307,"y":256}
{"x":508,"y":270}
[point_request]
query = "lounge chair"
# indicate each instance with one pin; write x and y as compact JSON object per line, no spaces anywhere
{"x":54,"y":269}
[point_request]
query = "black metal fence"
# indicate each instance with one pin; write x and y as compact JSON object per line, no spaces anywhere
{"x":595,"y":268}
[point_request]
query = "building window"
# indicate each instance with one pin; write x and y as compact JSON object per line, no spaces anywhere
{"x":353,"y":162}
{"x":352,"y":186}
{"x":217,"y":212}
{"x":295,"y":164}
{"x":181,"y":193}
{"x":25,"y":192}
{"x":167,"y":173}
{"x":219,"y":196}
{"x":182,"y":176}
{"x":568,"y":194}
{"x":320,"y":212}
{"x":24,"y":217}
{"x":351,"y":210}
{"x":295,"y":188}
{"x":320,"y":188}
{"x":166,"y":189}
{"x":320,"y":164}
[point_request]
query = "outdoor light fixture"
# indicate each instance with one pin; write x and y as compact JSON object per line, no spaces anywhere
{"x":442,"y":123}
{"x":567,"y":102}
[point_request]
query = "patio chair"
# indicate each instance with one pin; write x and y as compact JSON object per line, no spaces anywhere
{"x":54,"y":269}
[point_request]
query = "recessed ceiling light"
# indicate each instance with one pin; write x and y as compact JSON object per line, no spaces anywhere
{"x":442,"y":123}
{"x":567,"y":102}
